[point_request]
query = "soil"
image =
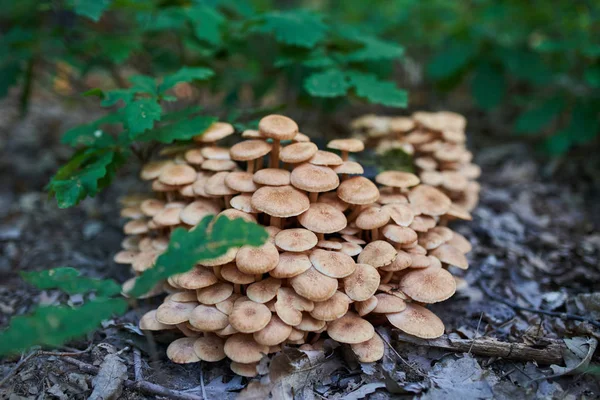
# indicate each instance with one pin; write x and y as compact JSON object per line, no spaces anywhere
{"x":536,"y":239}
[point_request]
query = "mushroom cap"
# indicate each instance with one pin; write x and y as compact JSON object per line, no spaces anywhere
{"x":351,"y":249}
{"x":245,"y":370}
{"x":199,"y":186}
{"x":226,"y":306}
{"x":313,"y":285}
{"x":387,"y":303}
{"x":219,"y":165}
{"x":252,"y":134}
{"x":399,"y":234}
{"x":332,"y":199}
{"x":350,"y":145}
{"x":350,"y":329}
{"x":290,"y":265}
{"x":208,"y":318}
{"x":257,"y":260}
{"x":135,"y":227}
{"x":397,"y":179}
{"x":330,"y":244}
{"x":274,"y":333}
{"x":215,"y":185}
{"x":241,"y":181}
{"x":289,"y":306}
{"x":153,"y":169}
{"x":401,"y":214}
{"x":301,"y":138}
{"x":133,"y":212}
{"x":193,"y":213}
{"x":322,"y":157}
{"x":215,"y":153}
{"x":460,"y":242}
{"x":431,"y":178}
{"x":377,"y":254}
{"x":314,"y":178}
{"x":363,"y":282}
{"x":431,"y":240}
{"x":430,"y":200}
{"x":151,"y":207}
{"x":125,"y":257}
{"x":280,"y":201}
{"x":372,"y":218}
{"x":194,"y":156}
{"x":215,"y":293}
{"x":332,"y":264}
{"x":249,"y":317}
{"x":217,"y":131}
{"x":402,"y":261}
{"x":168,"y":216}
{"x":296,"y":240}
{"x":242,"y":348}
{"x":298,"y":152}
{"x":310,"y":324}
{"x":331,"y":309}
{"x":428,"y":285}
{"x":350,"y":168}
{"x":419,"y":260}
{"x":458,"y":212}
{"x":249,"y":150}
{"x":365,"y":307}
{"x":272,"y":177}
{"x":148,"y":322}
{"x":418,"y":321}
{"x":358,"y":190}
{"x":181,"y":351}
{"x":183,"y":297}
{"x":232,"y":213}
{"x":177,"y":175}
{"x":449,"y":254}
{"x":369,"y":351}
{"x":196,"y":278}
{"x":173,"y":312}
{"x":277,"y":127}
{"x":209,"y":348}
{"x":401,"y":124}
{"x":392,"y":198}
{"x":263,"y":291}
{"x":322,"y":218}
{"x":231,"y":273}
{"x":243,"y":202}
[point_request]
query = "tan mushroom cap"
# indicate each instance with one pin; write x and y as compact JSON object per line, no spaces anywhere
{"x":215,"y":185}
{"x":215,"y":293}
{"x":351,"y":249}
{"x":249,"y":150}
{"x":449,"y":254}
{"x":208,"y":318}
{"x":460,"y":242}
{"x":215,"y":132}
{"x":160,"y":187}
{"x":289,"y":306}
{"x":387,"y":303}
{"x":151,"y":207}
{"x":349,"y":145}
{"x":274,"y":333}
{"x":194,"y":212}
{"x":181,"y":351}
{"x":219,"y":165}
{"x":183,"y":297}
{"x":245,"y":370}
{"x":370,"y":351}
{"x":401,"y":214}
{"x":323,"y":157}
{"x":350,"y":329}
{"x":125,"y":257}
{"x":457,"y":212}
{"x":173,"y":312}
{"x":313,"y":285}
{"x":177,"y":174}
{"x":231,"y":273}
{"x":148,"y":322}
{"x":417,"y":321}
{"x":133,"y":212}
{"x":272,"y":177}
{"x":263,"y":291}
{"x":399,"y":234}
{"x":232,"y":213}
{"x":257,"y":260}
{"x":349,"y":167}
{"x":242,"y":348}
{"x":249,"y":317}
{"x":428,"y":285}
{"x":290,"y":265}
{"x":331,"y":309}
{"x":210,"y":348}
{"x":241,"y":182}
{"x":365,"y":307}
{"x":298,"y":152}
{"x":372,"y":218}
{"x":377,"y":254}
{"x":402,"y":261}
{"x":153,"y":169}
{"x":280,"y":201}
{"x":332,"y":264}
{"x":252,"y":134}
{"x":431,"y":240}
{"x":419,"y":261}
{"x":422,"y":223}
{"x":135,"y":227}
{"x":301,"y":138}
{"x":194,"y":156}
{"x":196,"y":278}
{"x":363,"y":282}
{"x":296,"y":240}
{"x":401,"y":124}
{"x":278,"y":127}
{"x":323,"y":218}
{"x":329,"y":244}
{"x":243,"y":202}
{"x":199,"y":186}
{"x":168,"y":216}
{"x":215,"y":153}
{"x":430,"y":200}
{"x":332,"y":199}
{"x":314,"y":178}
{"x":226,"y":306}
{"x":144,"y":260}
{"x":392,"y":198}
{"x":310,"y":324}
{"x":398,"y":179}
{"x":358,"y":190}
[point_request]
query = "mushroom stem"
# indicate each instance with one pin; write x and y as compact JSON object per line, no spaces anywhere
{"x":320,"y":236}
{"x":345,"y":155}
{"x":258,"y":277}
{"x":259,"y":164}
{"x":355,"y":213}
{"x":170,"y":196}
{"x":313,"y":196}
{"x":217,"y":271}
{"x":275,"y":154}
{"x":276,"y":222}
{"x":315,"y":338}
{"x":374,"y":234}
{"x":227,"y":199}
{"x":250,"y":168}
{"x":237,"y":288}
{"x":387,"y":277}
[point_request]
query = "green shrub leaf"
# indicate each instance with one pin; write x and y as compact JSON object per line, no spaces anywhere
{"x":92,"y":9}
{"x":584,"y":125}
{"x":300,"y":28}
{"x":535,"y":119}
{"x":143,"y":83}
{"x":91,"y":134}
{"x":592,"y":76}
{"x":52,"y":326}
{"x":112,"y":97}
{"x":377,"y":91}
{"x":330,"y":83}
{"x":186,"y":74}
{"x":450,"y":60}
{"x":141,"y":114}
{"x":211,"y":238}
{"x":488,"y":86}
{"x":184,"y":129}
{"x":70,"y":281}
{"x":375,"y":50}
{"x":207,"y":22}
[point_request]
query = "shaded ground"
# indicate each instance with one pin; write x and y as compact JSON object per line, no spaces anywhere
{"x":536,"y":243}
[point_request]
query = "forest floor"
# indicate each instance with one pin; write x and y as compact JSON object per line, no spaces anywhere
{"x":536,"y":240}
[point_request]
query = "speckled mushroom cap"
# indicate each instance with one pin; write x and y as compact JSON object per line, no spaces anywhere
{"x":257,"y":260}
{"x":249,"y":316}
{"x":181,"y":351}
{"x":349,"y":145}
{"x":277,"y":127}
{"x":331,"y":309}
{"x":397,"y":179}
{"x":369,"y":351}
{"x":326,"y":158}
{"x":358,"y":190}
{"x":280,"y":201}
{"x":272,"y":177}
{"x":362,"y":283}
{"x":373,"y":218}
{"x":148,"y":322}
{"x":274,"y":333}
{"x":244,"y":349}
{"x":217,"y":131}
{"x":322,"y":218}
{"x":209,"y":348}
{"x":378,"y":253}
{"x":296,"y":240}
{"x":428,"y":285}
{"x":332,"y":264}
{"x":314,"y":178}
{"x":313,"y":285}
{"x":430,"y":200}
{"x":298,"y":152}
{"x":249,"y":150}
{"x":418,"y":321}
{"x":350,"y":329}
{"x":241,"y":181}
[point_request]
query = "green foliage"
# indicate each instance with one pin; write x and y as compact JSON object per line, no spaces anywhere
{"x":70,"y":281}
{"x":140,"y":115}
{"x":295,"y":27}
{"x":93,"y":9}
{"x":209,"y":239}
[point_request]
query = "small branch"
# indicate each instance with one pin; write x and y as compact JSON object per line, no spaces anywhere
{"x":417,"y":371}
{"x":511,"y":304}
{"x":546,"y":353}
{"x":140,"y":386}
{"x":137,"y":365}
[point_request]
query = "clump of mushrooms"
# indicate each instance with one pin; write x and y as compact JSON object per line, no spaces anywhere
{"x":345,"y":254}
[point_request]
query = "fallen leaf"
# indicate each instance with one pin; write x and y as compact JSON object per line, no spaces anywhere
{"x":461,"y":378}
{"x":108,"y":384}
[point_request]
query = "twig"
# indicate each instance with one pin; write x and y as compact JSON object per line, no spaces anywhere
{"x":476,"y":332}
{"x":547,"y":351}
{"x":399,"y":356}
{"x":511,"y":304}
{"x":137,"y":365}
{"x":141,"y":386}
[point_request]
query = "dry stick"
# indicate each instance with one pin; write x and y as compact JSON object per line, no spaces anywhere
{"x":417,"y":371}
{"x":511,"y":304}
{"x":141,"y":386}
{"x":547,"y":352}
{"x":137,"y":365}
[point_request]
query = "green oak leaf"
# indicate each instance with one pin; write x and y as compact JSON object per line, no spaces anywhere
{"x":185,"y":74}
{"x":300,"y":28}
{"x":450,"y":60}
{"x":140,"y":115}
{"x":184,"y":129}
{"x":70,"y":281}
{"x":377,"y":91}
{"x":488,"y":86}
{"x":92,"y":9}
{"x":536,"y":118}
{"x":330,"y":83}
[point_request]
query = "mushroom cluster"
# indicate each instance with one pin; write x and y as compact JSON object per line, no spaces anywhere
{"x":344,"y":253}
{"x":437,"y":143}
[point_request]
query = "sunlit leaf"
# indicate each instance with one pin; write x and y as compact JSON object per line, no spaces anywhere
{"x":330,"y":83}
{"x":186,"y":74}
{"x":294,"y":27}
{"x":141,"y":114}
{"x":377,"y":91}
{"x":183,"y":129}
{"x":93,"y":9}
{"x":70,"y":281}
